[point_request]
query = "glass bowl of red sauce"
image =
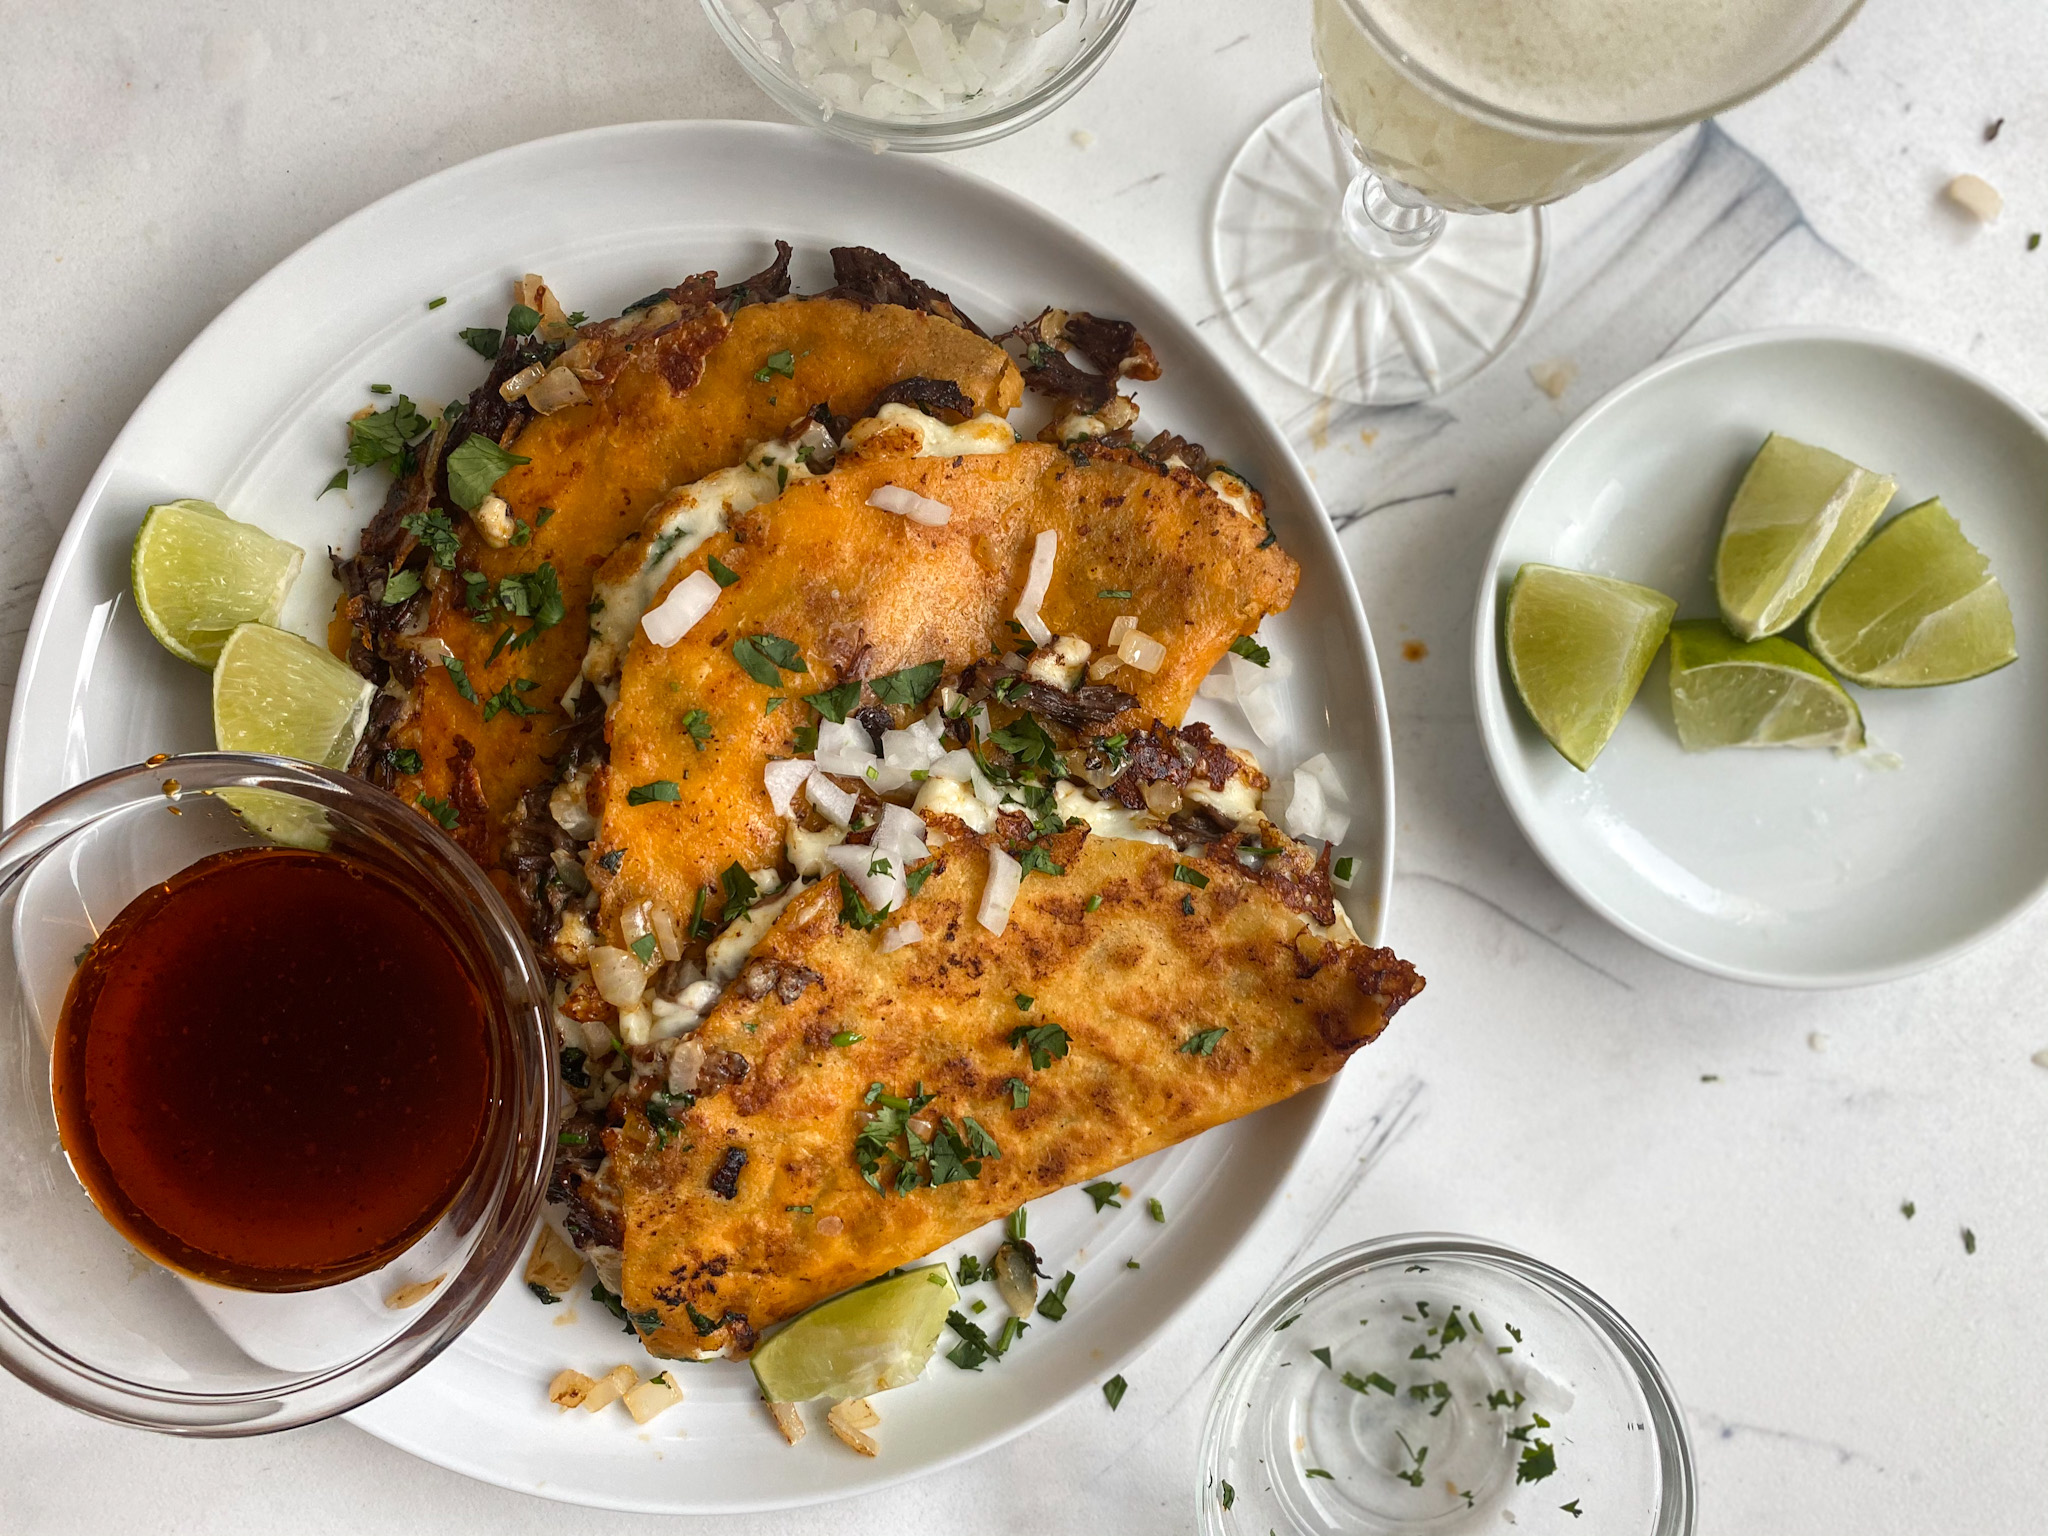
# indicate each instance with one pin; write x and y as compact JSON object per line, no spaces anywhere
{"x":277,"y":1094}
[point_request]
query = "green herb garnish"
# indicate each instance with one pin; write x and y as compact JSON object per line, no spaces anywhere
{"x":1104,"y":1192}
{"x":1204,"y":1042}
{"x":1047,"y":1043}
{"x":476,"y":465}
{"x":661,"y":790}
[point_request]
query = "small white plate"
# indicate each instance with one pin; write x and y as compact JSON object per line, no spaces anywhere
{"x":1788,"y":868}
{"x":251,"y":416}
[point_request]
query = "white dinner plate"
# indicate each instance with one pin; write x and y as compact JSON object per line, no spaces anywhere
{"x":1789,"y":868}
{"x":251,"y":416}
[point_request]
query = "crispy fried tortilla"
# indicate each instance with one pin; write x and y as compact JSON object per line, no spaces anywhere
{"x":750,"y":1203}
{"x":860,"y":593}
{"x":679,"y":389}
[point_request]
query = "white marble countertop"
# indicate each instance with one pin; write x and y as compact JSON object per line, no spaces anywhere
{"x":1725,"y":1164}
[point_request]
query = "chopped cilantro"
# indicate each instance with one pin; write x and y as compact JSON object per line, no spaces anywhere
{"x":1188,"y":875}
{"x":740,"y":890}
{"x":1227,"y":1494}
{"x":403,"y":760}
{"x":454,"y":668}
{"x":1020,"y":1092}
{"x":1572,"y":1508}
{"x":1413,"y":1476}
{"x":643,"y":948}
{"x":483,"y":340}
{"x":540,"y":518}
{"x":1046,"y":1043}
{"x":846,"y":1037}
{"x":1187,"y":906}
{"x":1538,"y":1461}
{"x":835,"y":703}
{"x":697,"y":725}
{"x":970,"y":1269}
{"x":1341,"y":870}
{"x":721,"y":573}
{"x":1203,"y":1042}
{"x":1155,"y":1210}
{"x":474,"y":467}
{"x":660,"y":790}
{"x":765,"y":658}
{"x":434,"y":530}
{"x":1907,"y":1208}
{"x":574,"y":1073}
{"x":1104,"y":1192}
{"x":974,"y":1349}
{"x":507,"y":699}
{"x":440,"y":810}
{"x":913,"y":880}
{"x":382,"y":437}
{"x":1094,"y":901}
{"x":1053,"y":1305}
{"x":338,"y":483}
{"x":1319,"y":1472}
{"x":783,"y":363}
{"x":522,"y":319}
{"x":1322,"y":1353}
{"x":1114,"y":1389}
{"x":1024,"y":1002}
{"x":911,"y":686}
{"x":854,"y":910}
{"x":1969,"y":1241}
{"x":1026,"y":740}
{"x":774,"y":702}
{"x":952,"y":1153}
{"x":1251,"y":651}
{"x":1036,"y":859}
{"x":400,"y":585}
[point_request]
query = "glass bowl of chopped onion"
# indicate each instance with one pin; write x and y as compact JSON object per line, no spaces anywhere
{"x":920,"y":74}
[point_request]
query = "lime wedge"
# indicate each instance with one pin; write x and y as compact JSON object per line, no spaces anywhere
{"x":1767,"y":693}
{"x":1918,"y":606}
{"x":1798,"y":515}
{"x":274,"y":692}
{"x":1578,"y":646}
{"x":197,"y":574}
{"x":869,"y":1339}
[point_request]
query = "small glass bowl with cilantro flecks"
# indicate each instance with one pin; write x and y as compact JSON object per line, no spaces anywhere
{"x":1444,"y":1384}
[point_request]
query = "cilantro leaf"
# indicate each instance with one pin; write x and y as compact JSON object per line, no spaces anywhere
{"x":1038,"y":860}
{"x":483,"y":340}
{"x":507,"y":699}
{"x":855,"y":912}
{"x":783,"y":363}
{"x":440,"y":810}
{"x":836,"y":703}
{"x":338,"y":483}
{"x":765,"y":658}
{"x":643,"y":948}
{"x":434,"y":530}
{"x":455,"y":670}
{"x":382,"y":437}
{"x":404,"y":760}
{"x":1020,"y":1092}
{"x":740,"y":890}
{"x":1026,"y":740}
{"x":1203,"y":1043}
{"x":911,"y":686}
{"x":475,"y":467}
{"x":662,"y":790}
{"x":522,"y":319}
{"x":1053,"y":1305}
{"x":1538,"y":1461}
{"x":1251,"y":651}
{"x":721,"y":573}
{"x":1104,"y":1192}
{"x":1113,"y":1390}
{"x":1188,"y":875}
{"x":400,"y":585}
{"x":1047,"y":1043}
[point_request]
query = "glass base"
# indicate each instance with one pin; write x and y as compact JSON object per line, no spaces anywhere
{"x":1376,"y":329}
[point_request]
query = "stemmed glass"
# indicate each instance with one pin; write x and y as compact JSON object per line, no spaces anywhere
{"x":1381,"y":240}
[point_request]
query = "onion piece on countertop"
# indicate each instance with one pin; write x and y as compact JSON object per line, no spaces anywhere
{"x":999,"y":894}
{"x":783,"y":779}
{"x":1036,"y":582}
{"x":678,"y":613}
{"x":900,"y":934}
{"x":905,"y":502}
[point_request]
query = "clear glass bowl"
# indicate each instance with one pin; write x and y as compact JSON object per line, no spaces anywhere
{"x":1445,"y":1384}
{"x":1055,"y":66}
{"x":88,"y":1318}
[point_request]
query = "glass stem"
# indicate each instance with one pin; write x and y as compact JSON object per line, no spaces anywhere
{"x":1389,"y":224}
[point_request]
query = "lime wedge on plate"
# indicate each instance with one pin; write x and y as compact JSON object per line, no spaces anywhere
{"x":869,"y":1339}
{"x":1767,"y":693}
{"x":274,"y":692}
{"x":197,"y":574}
{"x":1798,"y":515}
{"x":1918,"y":606}
{"x":1578,"y":646}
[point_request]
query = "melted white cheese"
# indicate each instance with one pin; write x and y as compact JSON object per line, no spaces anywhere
{"x":807,"y":849}
{"x":1105,"y":818}
{"x":950,"y":797}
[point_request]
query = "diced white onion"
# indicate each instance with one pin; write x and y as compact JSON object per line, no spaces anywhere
{"x":1140,"y":650}
{"x":522,"y":381}
{"x":665,"y":936}
{"x":619,"y":975}
{"x":905,"y":502}
{"x":1218,"y":685}
{"x":999,"y":894}
{"x":902,"y":832}
{"x":1036,"y":582}
{"x":833,"y":803}
{"x":1103,"y":665}
{"x":783,"y":779}
{"x":1120,"y":626}
{"x":1305,"y":807}
{"x":900,"y":934}
{"x":857,"y":864}
{"x":636,"y":1025}
{"x":957,"y":765}
{"x":678,"y":613}
{"x":1261,"y":708}
{"x":558,"y":388}
{"x":845,"y":747}
{"x":916,"y":747}
{"x":1324,"y":772}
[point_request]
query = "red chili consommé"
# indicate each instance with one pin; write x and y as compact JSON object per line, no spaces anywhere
{"x":272,"y":1070}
